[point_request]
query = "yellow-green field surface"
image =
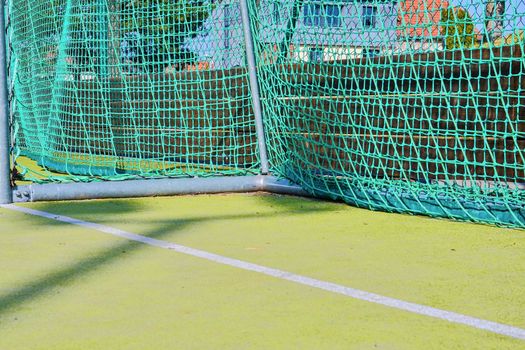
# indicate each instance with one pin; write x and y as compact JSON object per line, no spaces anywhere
{"x":63,"y":286}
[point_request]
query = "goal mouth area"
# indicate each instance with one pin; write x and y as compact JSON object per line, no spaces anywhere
{"x":68,"y":166}
{"x":400,"y":200}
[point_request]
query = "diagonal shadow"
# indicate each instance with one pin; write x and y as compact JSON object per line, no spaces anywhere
{"x":275,"y":205}
{"x":69,"y":274}
{"x":85,"y":266}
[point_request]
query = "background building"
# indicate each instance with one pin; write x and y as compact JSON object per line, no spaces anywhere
{"x":323,"y":30}
{"x":418,"y":25}
{"x":334,"y":30}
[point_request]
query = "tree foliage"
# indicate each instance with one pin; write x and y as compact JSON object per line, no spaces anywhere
{"x":457,"y":28}
{"x":155,"y":31}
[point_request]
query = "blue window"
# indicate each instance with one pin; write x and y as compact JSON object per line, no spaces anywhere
{"x":322,"y":15}
{"x":369,"y":16}
{"x":227,"y":26}
{"x":312,"y":15}
{"x":276,"y":15}
{"x":316,"y":54}
{"x":371,"y":53}
{"x":333,"y":16}
{"x":231,"y":22}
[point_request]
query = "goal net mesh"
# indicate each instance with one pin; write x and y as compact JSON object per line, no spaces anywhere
{"x":408,"y":106}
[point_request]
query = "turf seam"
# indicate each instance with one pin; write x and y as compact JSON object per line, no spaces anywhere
{"x":453,"y":317}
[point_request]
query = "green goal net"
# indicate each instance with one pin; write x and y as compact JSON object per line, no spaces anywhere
{"x":405,"y":106}
{"x":125,"y":89}
{"x":408,"y":106}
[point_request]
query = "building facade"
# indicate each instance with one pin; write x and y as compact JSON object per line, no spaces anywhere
{"x":325,"y":30}
{"x":317,"y":31}
{"x":221,"y":41}
{"x":418,"y":25}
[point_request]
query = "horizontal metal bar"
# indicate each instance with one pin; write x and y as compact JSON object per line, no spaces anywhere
{"x":136,"y":188}
{"x":154,"y":187}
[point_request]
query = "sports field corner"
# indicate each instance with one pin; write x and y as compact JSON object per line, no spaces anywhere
{"x":65,"y":286}
{"x":262,"y":174}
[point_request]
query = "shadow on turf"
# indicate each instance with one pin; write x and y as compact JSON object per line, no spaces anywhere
{"x":294,"y":204}
{"x":63,"y":277}
{"x":100,"y":208}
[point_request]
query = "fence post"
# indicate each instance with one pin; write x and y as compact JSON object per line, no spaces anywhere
{"x":254,"y":85}
{"x":5,"y":154}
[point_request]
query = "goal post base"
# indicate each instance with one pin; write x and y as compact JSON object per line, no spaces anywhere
{"x":153,"y":187}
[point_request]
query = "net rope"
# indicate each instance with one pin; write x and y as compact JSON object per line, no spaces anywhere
{"x":123,"y":89}
{"x":410,"y":106}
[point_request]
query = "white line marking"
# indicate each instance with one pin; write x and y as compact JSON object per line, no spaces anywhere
{"x":449,"y":316}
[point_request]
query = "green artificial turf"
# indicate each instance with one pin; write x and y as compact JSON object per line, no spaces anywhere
{"x":67,"y":287}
